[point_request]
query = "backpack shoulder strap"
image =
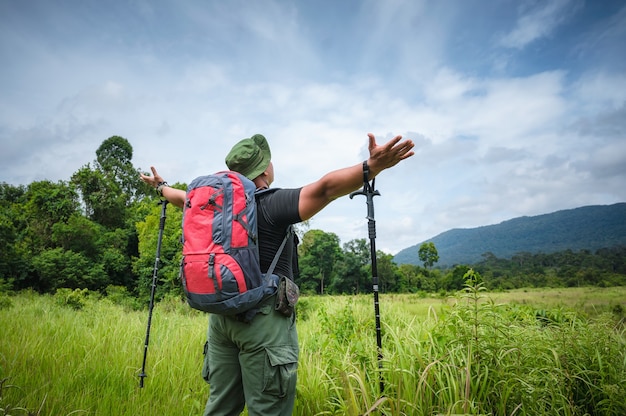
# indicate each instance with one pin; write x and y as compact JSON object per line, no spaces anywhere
{"x":287,"y":234}
{"x":279,"y":252}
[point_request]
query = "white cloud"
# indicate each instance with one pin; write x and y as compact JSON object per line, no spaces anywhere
{"x":538,"y":20}
{"x":598,"y":90}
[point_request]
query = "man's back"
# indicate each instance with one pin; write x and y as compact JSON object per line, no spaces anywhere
{"x":276,"y":211}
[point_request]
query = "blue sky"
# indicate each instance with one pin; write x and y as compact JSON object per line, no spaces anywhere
{"x":516,"y":107}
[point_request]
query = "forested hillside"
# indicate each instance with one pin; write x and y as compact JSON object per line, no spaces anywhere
{"x":586,"y":228}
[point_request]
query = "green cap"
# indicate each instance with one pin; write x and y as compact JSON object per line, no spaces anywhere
{"x":250,"y":156}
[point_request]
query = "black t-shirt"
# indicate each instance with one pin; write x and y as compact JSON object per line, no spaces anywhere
{"x":278,"y":209}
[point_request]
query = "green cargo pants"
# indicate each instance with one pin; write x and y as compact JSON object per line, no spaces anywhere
{"x":252,"y":363}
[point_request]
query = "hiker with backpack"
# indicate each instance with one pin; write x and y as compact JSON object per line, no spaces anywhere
{"x":252,"y":357}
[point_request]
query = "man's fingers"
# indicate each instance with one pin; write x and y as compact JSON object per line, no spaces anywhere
{"x":406,"y":146}
{"x":391,"y":143}
{"x":372,"y":143}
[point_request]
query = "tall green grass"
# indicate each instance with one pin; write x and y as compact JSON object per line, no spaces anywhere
{"x":60,"y":360}
{"x":531,"y":353}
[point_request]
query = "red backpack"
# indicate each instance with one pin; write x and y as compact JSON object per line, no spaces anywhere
{"x":220,"y":269}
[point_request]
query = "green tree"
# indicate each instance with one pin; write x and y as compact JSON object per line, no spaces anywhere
{"x":78,"y":234}
{"x":410,"y":275}
{"x":58,"y":268}
{"x":351,"y":271}
{"x":116,"y":249}
{"x":13,"y":266}
{"x":45,"y":204}
{"x":114,"y":159}
{"x":389,"y":276}
{"x":455,"y":279}
{"x":319,"y":252}
{"x":428,"y":254}
{"x":102,"y":199}
{"x":112,"y":185}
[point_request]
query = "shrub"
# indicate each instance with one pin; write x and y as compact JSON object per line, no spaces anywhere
{"x":5,"y":301}
{"x":75,"y":299}
{"x":119,"y":295}
{"x":303,"y":308}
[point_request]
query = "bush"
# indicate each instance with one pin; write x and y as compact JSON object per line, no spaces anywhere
{"x":75,"y":299}
{"x":5,"y":301}
{"x":303,"y":308}
{"x":119,"y":295}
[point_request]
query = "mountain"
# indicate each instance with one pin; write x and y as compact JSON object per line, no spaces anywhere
{"x":591,"y":227}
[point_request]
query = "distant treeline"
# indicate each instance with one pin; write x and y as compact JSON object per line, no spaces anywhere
{"x":605,"y":267}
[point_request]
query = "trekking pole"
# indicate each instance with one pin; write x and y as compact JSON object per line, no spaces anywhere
{"x":370,"y":193}
{"x":152,"y":290}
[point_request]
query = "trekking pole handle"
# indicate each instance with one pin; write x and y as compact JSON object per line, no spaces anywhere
{"x":368,"y":191}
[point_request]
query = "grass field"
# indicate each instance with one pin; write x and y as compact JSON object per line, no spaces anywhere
{"x":524,"y":352}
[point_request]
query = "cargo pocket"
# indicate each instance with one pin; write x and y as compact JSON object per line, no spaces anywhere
{"x":281,"y":368}
{"x":205,"y":364}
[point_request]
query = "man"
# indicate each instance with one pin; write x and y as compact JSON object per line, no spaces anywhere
{"x":256,"y":363}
